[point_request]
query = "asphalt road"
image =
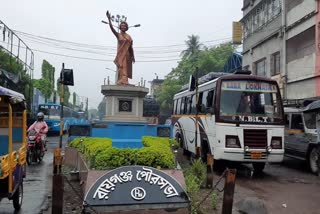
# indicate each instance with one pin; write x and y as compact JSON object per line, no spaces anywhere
{"x":285,"y":188}
{"x":37,"y":184}
{"x":288,"y":187}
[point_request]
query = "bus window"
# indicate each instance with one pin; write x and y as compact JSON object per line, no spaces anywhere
{"x":178,"y":106}
{"x":188,"y":105}
{"x":200,"y":109}
{"x":193,"y":104}
{"x":183,"y":100}
{"x":174,"y":110}
{"x":209,"y":104}
{"x":204,"y":102}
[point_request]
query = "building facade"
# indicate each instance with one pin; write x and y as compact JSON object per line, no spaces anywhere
{"x":281,"y":41}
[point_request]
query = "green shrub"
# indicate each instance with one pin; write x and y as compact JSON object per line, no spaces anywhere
{"x":214,"y":200}
{"x":195,"y":177}
{"x":193,"y":189}
{"x":156,"y":153}
{"x":198,"y":169}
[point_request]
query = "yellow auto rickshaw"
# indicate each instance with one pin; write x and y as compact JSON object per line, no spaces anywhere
{"x":13,"y":148}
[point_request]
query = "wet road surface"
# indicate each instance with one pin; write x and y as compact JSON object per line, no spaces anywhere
{"x":288,"y":187}
{"x":37,"y":184}
{"x":285,"y":188}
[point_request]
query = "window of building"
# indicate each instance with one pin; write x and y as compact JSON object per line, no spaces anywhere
{"x":275,"y":64}
{"x":261,"y":15}
{"x":260,"y":67}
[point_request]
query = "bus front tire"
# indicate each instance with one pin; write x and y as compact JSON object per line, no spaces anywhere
{"x":258,"y":167}
{"x":181,"y":144}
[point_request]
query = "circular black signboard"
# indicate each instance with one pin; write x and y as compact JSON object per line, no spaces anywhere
{"x":135,"y":185}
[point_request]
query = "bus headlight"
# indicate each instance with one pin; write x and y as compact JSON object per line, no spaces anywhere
{"x":232,"y":141}
{"x":246,"y":148}
{"x":269,"y":149}
{"x":276,"y":143}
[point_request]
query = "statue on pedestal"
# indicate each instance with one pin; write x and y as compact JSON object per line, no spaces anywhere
{"x":125,"y":55}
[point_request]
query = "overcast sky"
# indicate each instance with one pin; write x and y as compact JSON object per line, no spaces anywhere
{"x":165,"y":25}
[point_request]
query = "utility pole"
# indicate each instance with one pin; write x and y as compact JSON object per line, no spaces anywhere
{"x":87,"y":108}
{"x":66,"y":78}
{"x":61,"y":104}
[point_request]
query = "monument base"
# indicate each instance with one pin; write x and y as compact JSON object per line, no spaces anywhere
{"x":124,"y":103}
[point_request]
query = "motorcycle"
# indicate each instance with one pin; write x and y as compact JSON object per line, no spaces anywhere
{"x":35,"y":147}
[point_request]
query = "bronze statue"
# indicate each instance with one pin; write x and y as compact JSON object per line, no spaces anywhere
{"x":125,"y":55}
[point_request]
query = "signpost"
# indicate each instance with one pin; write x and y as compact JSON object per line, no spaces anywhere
{"x":237,"y":33}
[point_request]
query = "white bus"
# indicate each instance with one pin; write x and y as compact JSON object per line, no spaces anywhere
{"x":233,"y":117}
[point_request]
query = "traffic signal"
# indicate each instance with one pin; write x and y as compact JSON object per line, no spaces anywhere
{"x":66,"y":77}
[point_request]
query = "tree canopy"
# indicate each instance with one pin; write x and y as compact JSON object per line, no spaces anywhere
{"x":13,"y":66}
{"x":207,"y":59}
{"x":46,"y":83}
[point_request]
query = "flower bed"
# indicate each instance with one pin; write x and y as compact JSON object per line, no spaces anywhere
{"x":156,"y":152}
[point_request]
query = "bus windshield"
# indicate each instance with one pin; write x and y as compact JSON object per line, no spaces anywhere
{"x":50,"y":111}
{"x":250,"y":101}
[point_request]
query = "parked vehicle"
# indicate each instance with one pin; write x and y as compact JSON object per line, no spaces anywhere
{"x":35,"y":147}
{"x":13,"y":148}
{"x":234,"y":117}
{"x":52,"y":112}
{"x":301,"y":135}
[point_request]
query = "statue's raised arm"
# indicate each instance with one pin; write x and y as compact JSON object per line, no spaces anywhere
{"x":110,"y":24}
{"x":125,"y":55}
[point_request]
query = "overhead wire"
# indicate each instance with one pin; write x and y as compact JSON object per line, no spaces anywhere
{"x":94,"y":59}
{"x":160,"y":55}
{"x":109,"y":47}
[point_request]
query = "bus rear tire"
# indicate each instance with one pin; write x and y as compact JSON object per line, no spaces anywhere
{"x":258,"y":167}
{"x":181,"y":144}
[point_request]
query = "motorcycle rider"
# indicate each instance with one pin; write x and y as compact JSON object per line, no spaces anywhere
{"x":41,"y":127}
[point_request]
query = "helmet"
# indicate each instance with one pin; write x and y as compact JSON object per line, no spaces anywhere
{"x":40,"y":116}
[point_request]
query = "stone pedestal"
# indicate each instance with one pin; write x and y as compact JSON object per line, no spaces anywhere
{"x":124,"y":103}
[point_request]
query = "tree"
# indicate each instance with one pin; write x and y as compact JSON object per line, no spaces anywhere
{"x":14,"y":67}
{"x":193,"y":47}
{"x":46,"y":83}
{"x":66,"y":93}
{"x":207,"y":60}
